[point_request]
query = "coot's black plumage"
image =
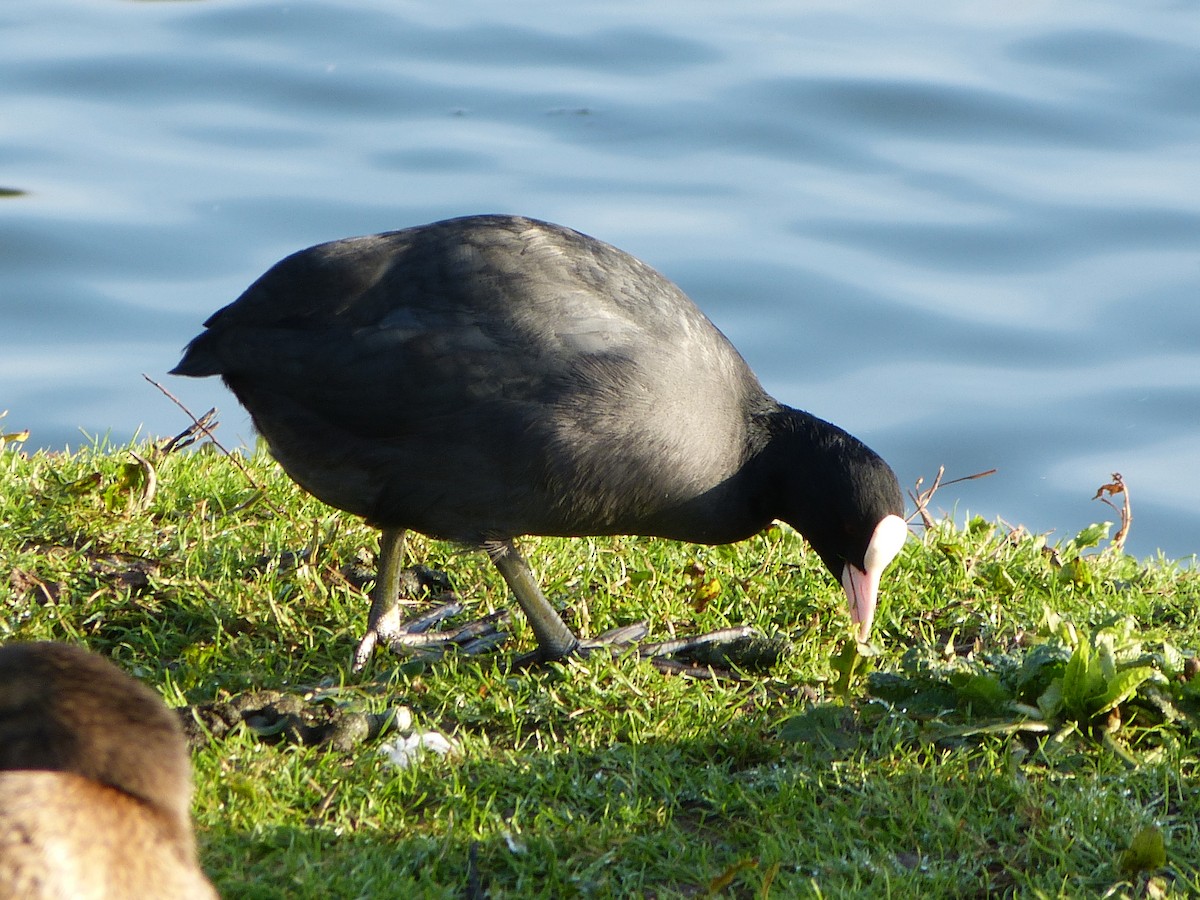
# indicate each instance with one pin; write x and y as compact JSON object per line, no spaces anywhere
{"x":482,"y":378}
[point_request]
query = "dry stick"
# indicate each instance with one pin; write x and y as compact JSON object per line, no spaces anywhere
{"x":203,"y":426}
{"x":191,"y":434}
{"x":1118,"y":486}
{"x":921,"y":498}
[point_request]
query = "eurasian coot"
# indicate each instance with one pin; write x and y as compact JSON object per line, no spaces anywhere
{"x":487,"y":377}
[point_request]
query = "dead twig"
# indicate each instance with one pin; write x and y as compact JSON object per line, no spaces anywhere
{"x":921,"y":498}
{"x":206,"y":424}
{"x":1114,"y":487}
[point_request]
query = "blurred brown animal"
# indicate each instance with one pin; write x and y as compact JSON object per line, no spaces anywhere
{"x":95,"y":782}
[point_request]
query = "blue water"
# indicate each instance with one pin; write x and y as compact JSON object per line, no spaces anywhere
{"x":969,"y":234}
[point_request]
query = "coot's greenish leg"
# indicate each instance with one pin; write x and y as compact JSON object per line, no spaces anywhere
{"x":383,"y":622}
{"x":554,"y":638}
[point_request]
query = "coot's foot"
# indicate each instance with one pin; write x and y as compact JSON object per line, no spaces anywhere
{"x":385,"y":625}
{"x":737,"y":648}
{"x":416,"y":635}
{"x":477,"y":636}
{"x":741,"y":648}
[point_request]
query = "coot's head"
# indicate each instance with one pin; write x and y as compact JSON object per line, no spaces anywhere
{"x":851,"y":510}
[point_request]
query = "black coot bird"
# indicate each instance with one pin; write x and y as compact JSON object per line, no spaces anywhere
{"x":487,"y":377}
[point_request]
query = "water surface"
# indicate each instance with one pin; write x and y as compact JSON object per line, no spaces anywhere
{"x":971,"y":237}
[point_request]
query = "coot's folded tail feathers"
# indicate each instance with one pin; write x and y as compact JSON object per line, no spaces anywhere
{"x":198,"y":359}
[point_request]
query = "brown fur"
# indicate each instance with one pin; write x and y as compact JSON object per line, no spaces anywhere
{"x":95,"y":786}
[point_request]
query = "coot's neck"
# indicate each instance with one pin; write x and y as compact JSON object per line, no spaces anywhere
{"x":803,"y":465}
{"x":796,"y":468}
{"x":786,"y":432}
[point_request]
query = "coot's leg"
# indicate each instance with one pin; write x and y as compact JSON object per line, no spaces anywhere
{"x":383,"y":623}
{"x":554,"y":638}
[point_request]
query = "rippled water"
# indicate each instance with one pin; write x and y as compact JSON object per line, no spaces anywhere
{"x":971,"y":236}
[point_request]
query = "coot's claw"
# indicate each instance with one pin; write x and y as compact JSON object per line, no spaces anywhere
{"x":474,"y":636}
{"x":616,"y":638}
{"x":415,"y":635}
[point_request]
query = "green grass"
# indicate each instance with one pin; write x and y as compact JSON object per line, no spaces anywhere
{"x":927,"y":769}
